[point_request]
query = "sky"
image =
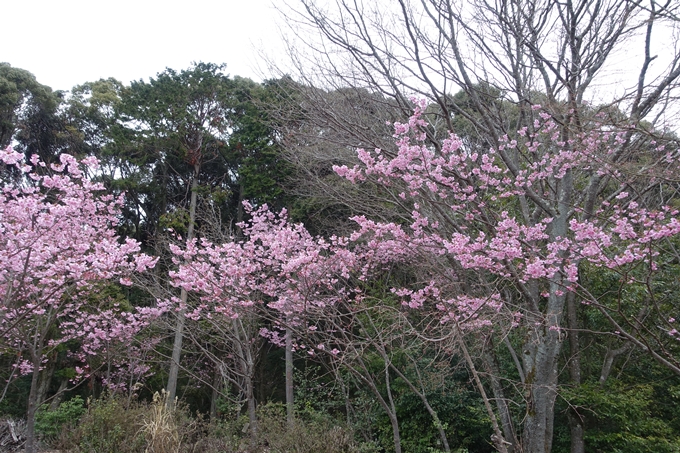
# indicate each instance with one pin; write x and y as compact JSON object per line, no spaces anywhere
{"x":68,"y":42}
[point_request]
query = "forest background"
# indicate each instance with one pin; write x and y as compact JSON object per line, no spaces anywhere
{"x":181,"y":254}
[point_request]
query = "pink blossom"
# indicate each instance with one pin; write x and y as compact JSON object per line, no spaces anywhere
{"x":57,"y":231}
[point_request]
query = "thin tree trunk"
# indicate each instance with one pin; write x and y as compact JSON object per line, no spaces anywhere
{"x":217,"y":381}
{"x":492,"y":369}
{"x":176,"y":352}
{"x":32,"y":405}
{"x":46,"y":376}
{"x":609,"y":358}
{"x":423,"y":397}
{"x":365,"y":376}
{"x":498,"y":439}
{"x":252,"y":408}
{"x":181,"y":315}
{"x":246,"y":362}
{"x":56,"y":399}
{"x":239,"y":212}
{"x":575,"y":419}
{"x":396,"y":435}
{"x":290,"y":407}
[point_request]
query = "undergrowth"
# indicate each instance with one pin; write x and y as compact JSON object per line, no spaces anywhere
{"x":115,"y":425}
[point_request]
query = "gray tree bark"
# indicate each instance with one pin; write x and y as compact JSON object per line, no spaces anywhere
{"x":290,"y":403}
{"x":173,"y":374}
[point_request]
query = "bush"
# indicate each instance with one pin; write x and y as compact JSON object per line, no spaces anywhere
{"x":621,"y":417}
{"x":110,"y":426}
{"x":113,"y":425}
{"x":53,"y":426}
{"x":312,"y":432}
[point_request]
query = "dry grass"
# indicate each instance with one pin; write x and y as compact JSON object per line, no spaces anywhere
{"x":160,"y":427}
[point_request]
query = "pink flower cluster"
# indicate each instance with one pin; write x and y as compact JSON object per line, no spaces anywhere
{"x":477,"y":195}
{"x":467,"y":216}
{"x":57,"y":243}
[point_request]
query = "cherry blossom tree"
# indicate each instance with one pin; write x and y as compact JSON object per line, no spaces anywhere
{"x":298,"y":284}
{"x":277,"y":271}
{"x":483,"y":64}
{"x":58,"y":246}
{"x":502,"y":247}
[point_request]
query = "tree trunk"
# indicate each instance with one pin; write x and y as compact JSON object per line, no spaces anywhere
{"x":243,"y":345}
{"x":609,"y":358}
{"x":252,"y":408}
{"x":543,"y":345}
{"x":396,"y":436}
{"x":497,"y":438}
{"x":423,"y":397}
{"x":575,"y":419}
{"x":290,"y":407}
{"x":363,"y":374}
{"x":239,"y":212}
{"x":181,"y":315}
{"x":31,"y":444}
{"x":492,"y":369}
{"x":540,"y":355}
{"x":393,"y":411}
{"x":576,"y":433}
{"x":56,"y":399}
{"x":541,"y":387}
{"x":173,"y":374}
{"x":45,"y":379}
{"x":217,"y":381}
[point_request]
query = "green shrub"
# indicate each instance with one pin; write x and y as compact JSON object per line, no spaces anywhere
{"x":621,"y":418}
{"x":109,"y":426}
{"x":52,"y":425}
{"x":312,"y":432}
{"x":112,"y":425}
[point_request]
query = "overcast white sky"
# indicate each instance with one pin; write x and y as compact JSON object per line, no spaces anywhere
{"x":69,"y":42}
